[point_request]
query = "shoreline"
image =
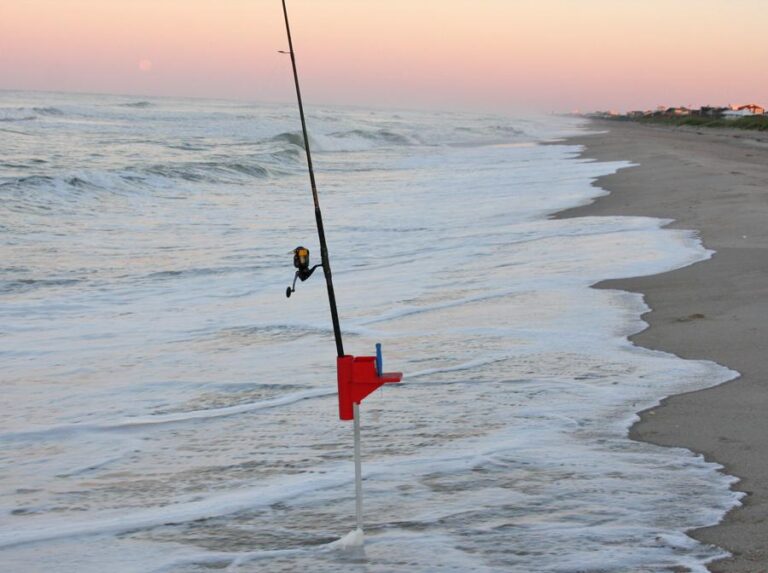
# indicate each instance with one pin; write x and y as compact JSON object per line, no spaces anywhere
{"x":716,"y":183}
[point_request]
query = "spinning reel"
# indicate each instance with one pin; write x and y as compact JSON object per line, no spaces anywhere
{"x":303,"y":272}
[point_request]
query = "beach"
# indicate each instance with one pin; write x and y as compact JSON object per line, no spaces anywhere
{"x":166,"y":408}
{"x":715,"y":182}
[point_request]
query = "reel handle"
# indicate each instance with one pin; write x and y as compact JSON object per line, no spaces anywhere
{"x":292,"y":289}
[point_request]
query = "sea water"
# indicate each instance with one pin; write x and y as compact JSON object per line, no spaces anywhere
{"x":166,"y":408}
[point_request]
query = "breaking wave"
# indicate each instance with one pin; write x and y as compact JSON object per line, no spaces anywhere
{"x":348,"y":140}
{"x":9,"y":115}
{"x":378,"y":135}
{"x":233,"y":172}
{"x":26,"y":285}
{"x":137,"y":104}
{"x":13,"y":115}
{"x":207,"y":171}
{"x":292,"y":137}
{"x":49,"y":111}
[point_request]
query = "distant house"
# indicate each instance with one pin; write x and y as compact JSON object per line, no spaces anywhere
{"x":737,"y":113}
{"x":678,"y":111}
{"x":753,"y":108}
{"x":710,"y":111}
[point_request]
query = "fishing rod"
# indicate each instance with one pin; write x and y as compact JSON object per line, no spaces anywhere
{"x":357,"y":376}
{"x":301,"y":254}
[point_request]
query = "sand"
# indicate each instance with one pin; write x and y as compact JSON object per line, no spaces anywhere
{"x":716,"y":182}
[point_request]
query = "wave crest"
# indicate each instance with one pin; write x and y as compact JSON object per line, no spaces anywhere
{"x":48,"y":111}
{"x":208,"y":171}
{"x":16,"y":114}
{"x":137,"y":104}
{"x":129,"y":179}
{"x":375,"y":135}
{"x":293,"y":137}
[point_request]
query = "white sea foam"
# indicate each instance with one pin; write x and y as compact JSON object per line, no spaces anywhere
{"x":139,"y":422}
{"x":353,"y":539}
{"x":212,"y":506}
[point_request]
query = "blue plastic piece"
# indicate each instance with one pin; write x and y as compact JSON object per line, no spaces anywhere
{"x":379,"y":360}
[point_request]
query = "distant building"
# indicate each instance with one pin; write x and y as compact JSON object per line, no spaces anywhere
{"x":711,"y":111}
{"x":737,"y":113}
{"x":753,"y":108}
{"x":677,"y":111}
{"x":731,"y":112}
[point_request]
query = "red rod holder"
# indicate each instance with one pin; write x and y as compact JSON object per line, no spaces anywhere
{"x":357,"y":379}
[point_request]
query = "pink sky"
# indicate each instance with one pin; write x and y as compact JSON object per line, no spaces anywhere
{"x":555,"y":55}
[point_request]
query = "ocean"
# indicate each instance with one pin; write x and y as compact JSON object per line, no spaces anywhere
{"x":166,"y":408}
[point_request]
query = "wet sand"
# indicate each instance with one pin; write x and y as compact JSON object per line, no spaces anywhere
{"x":716,"y":182}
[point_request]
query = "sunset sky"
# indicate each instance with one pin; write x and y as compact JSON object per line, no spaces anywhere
{"x":555,"y":55}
